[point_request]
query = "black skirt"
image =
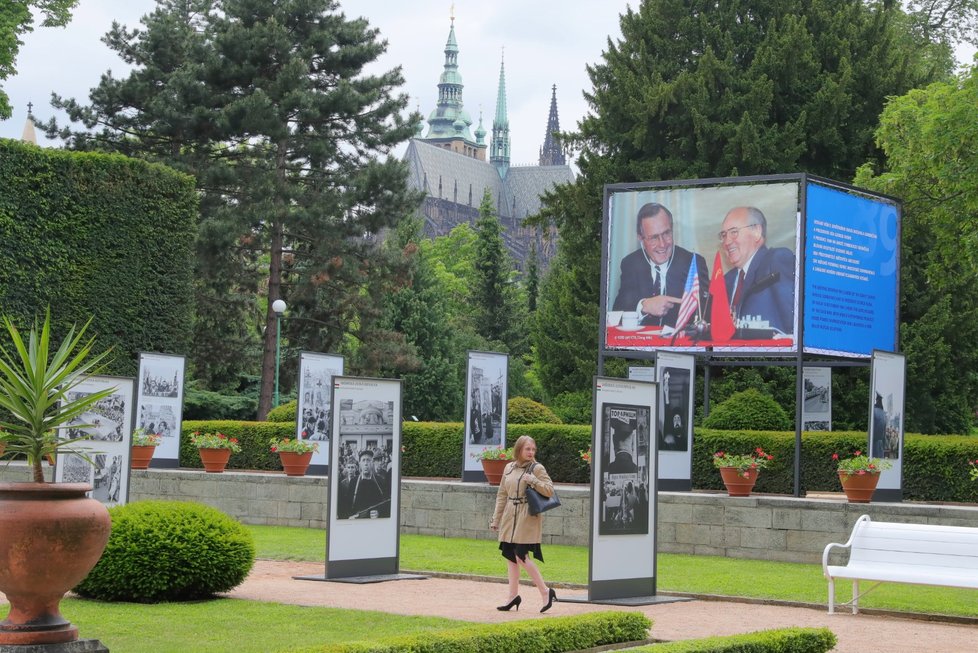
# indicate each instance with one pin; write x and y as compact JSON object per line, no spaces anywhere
{"x":512,"y":551}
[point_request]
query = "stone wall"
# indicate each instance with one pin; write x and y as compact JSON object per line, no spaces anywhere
{"x":769,"y":527}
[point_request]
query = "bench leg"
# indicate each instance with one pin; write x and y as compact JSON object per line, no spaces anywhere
{"x":831,"y":596}
{"x":855,"y":596}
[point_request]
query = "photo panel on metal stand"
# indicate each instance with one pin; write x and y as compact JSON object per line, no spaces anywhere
{"x":107,"y":424}
{"x":363,"y":511}
{"x":816,"y":411}
{"x":159,"y":404}
{"x":313,"y":408}
{"x":622,"y":553}
{"x":486,"y":394}
{"x":886,"y":403}
{"x":675,"y":376}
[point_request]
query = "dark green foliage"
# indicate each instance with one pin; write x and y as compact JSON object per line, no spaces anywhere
{"x":749,"y":410}
{"x":100,"y":236}
{"x":206,"y":404}
{"x":783,"y":640}
{"x":521,"y":410}
{"x":284,"y":413}
{"x":574,"y":407}
{"x":432,"y":449}
{"x":552,"y":635}
{"x":170,"y":551}
{"x":252,"y":436}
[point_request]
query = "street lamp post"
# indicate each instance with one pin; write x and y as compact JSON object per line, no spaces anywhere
{"x":279,"y":307}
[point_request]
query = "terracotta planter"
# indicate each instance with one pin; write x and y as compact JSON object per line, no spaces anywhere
{"x":141,"y":456}
{"x":738,"y":485}
{"x":295,"y":464}
{"x":859,"y":488}
{"x":215,"y":460}
{"x":51,"y":535}
{"x":493,"y":469}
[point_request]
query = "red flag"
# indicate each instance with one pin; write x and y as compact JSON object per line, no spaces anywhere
{"x":721,"y":324}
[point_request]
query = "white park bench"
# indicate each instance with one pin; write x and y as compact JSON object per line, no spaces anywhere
{"x":922,"y":554}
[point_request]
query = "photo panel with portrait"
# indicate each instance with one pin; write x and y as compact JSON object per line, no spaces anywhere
{"x":366,"y":459}
{"x":675,"y":389}
{"x":624,"y":479}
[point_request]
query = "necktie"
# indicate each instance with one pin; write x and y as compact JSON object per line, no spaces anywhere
{"x":657,"y":283}
{"x":735,"y":304}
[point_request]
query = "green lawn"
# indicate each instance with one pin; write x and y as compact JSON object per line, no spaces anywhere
{"x":678,"y":573}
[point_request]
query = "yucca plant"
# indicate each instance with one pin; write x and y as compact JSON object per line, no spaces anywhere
{"x":34,"y":387}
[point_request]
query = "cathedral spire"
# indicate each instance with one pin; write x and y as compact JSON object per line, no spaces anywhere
{"x":551,"y":154}
{"x":449,"y":119}
{"x":29,"y":135}
{"x":499,"y":149}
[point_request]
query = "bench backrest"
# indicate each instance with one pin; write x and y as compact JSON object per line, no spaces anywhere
{"x":930,"y":545}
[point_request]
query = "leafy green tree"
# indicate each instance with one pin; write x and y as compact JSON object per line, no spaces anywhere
{"x":495,"y":298}
{"x":269,"y":104}
{"x":930,"y":137}
{"x":700,"y":89}
{"x":17,"y":19}
{"x":532,"y":278}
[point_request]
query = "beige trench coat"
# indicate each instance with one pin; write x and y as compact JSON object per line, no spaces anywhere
{"x":516,"y":525}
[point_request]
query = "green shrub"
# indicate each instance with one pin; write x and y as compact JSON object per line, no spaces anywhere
{"x":782,"y":640}
{"x":573,"y":407}
{"x":521,"y":410}
{"x":552,"y":635}
{"x":284,"y":413}
{"x":432,"y":449}
{"x":252,"y":436}
{"x":206,"y":404}
{"x":749,"y":410}
{"x":169,"y":551}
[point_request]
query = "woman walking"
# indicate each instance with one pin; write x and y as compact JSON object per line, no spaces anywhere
{"x":519,"y":531}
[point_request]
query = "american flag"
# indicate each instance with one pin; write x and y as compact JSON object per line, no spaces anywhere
{"x":691,"y":296}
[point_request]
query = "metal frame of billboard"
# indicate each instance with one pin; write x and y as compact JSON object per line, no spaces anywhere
{"x":766,"y":357}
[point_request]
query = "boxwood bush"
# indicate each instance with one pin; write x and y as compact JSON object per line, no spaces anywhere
{"x":749,"y":409}
{"x":552,"y":635}
{"x":169,"y":551}
{"x":523,"y":410}
{"x":284,"y":413}
{"x":782,"y":640}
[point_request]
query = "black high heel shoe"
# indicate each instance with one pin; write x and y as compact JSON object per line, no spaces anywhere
{"x":514,"y":603}
{"x":552,"y":599}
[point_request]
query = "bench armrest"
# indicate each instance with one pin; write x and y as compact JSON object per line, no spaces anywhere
{"x":847,"y":545}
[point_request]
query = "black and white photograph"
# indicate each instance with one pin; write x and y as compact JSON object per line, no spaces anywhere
{"x":159,"y":403}
{"x":316,"y":372}
{"x":674,"y":435}
{"x":107,"y":481}
{"x":366,"y":458}
{"x":816,"y":412}
{"x":886,"y":412}
{"x":624,"y":481}
{"x":103,"y":435}
{"x":486,"y":394}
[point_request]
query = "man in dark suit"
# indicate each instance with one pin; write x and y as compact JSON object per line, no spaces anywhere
{"x":761,"y":282}
{"x":879,"y":429}
{"x":653,"y":277}
{"x":623,"y":442}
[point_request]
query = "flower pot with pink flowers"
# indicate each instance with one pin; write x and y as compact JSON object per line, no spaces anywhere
{"x":294,"y":454}
{"x":215,"y":450}
{"x":494,"y":460}
{"x":859,"y":475}
{"x":739,"y":471}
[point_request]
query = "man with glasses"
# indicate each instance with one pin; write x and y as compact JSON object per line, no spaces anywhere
{"x":653,"y":276}
{"x":761,"y":281}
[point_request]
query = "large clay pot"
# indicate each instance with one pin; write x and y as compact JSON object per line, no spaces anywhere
{"x":493,"y":469}
{"x":859,"y":488}
{"x":295,"y":464}
{"x":739,"y":484}
{"x":51,"y":535}
{"x":215,"y":460}
{"x":141,"y":456}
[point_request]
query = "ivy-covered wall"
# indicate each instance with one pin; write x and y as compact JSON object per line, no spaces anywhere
{"x":102,"y":236}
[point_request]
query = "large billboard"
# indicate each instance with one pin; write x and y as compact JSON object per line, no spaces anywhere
{"x":704,"y":266}
{"x":750,"y":266}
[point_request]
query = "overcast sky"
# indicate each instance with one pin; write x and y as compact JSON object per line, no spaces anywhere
{"x":546,"y":42}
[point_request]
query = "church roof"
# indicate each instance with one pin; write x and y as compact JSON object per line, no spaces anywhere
{"x":525,"y":185}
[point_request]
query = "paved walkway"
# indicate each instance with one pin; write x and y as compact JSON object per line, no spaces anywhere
{"x":471,"y":600}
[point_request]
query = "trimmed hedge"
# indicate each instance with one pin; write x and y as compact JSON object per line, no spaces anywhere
{"x":523,"y":410}
{"x":101,"y":236}
{"x":782,"y":640}
{"x":284,"y":413}
{"x":169,"y":551}
{"x":749,"y":409}
{"x":552,"y":635}
{"x":253,"y":437}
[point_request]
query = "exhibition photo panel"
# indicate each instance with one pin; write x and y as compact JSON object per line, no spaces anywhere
{"x":816,"y":411}
{"x":313,"y":410}
{"x":364,"y":497}
{"x":696,"y":266}
{"x":675,"y":375}
{"x":103,"y":435}
{"x":622,"y":552}
{"x":887,"y":392}
{"x":486,"y":395}
{"x":159,"y":403}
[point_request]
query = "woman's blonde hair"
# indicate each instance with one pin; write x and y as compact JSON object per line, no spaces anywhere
{"x":521,"y":443}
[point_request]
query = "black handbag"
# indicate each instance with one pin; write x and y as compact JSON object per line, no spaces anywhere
{"x":536,"y":503}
